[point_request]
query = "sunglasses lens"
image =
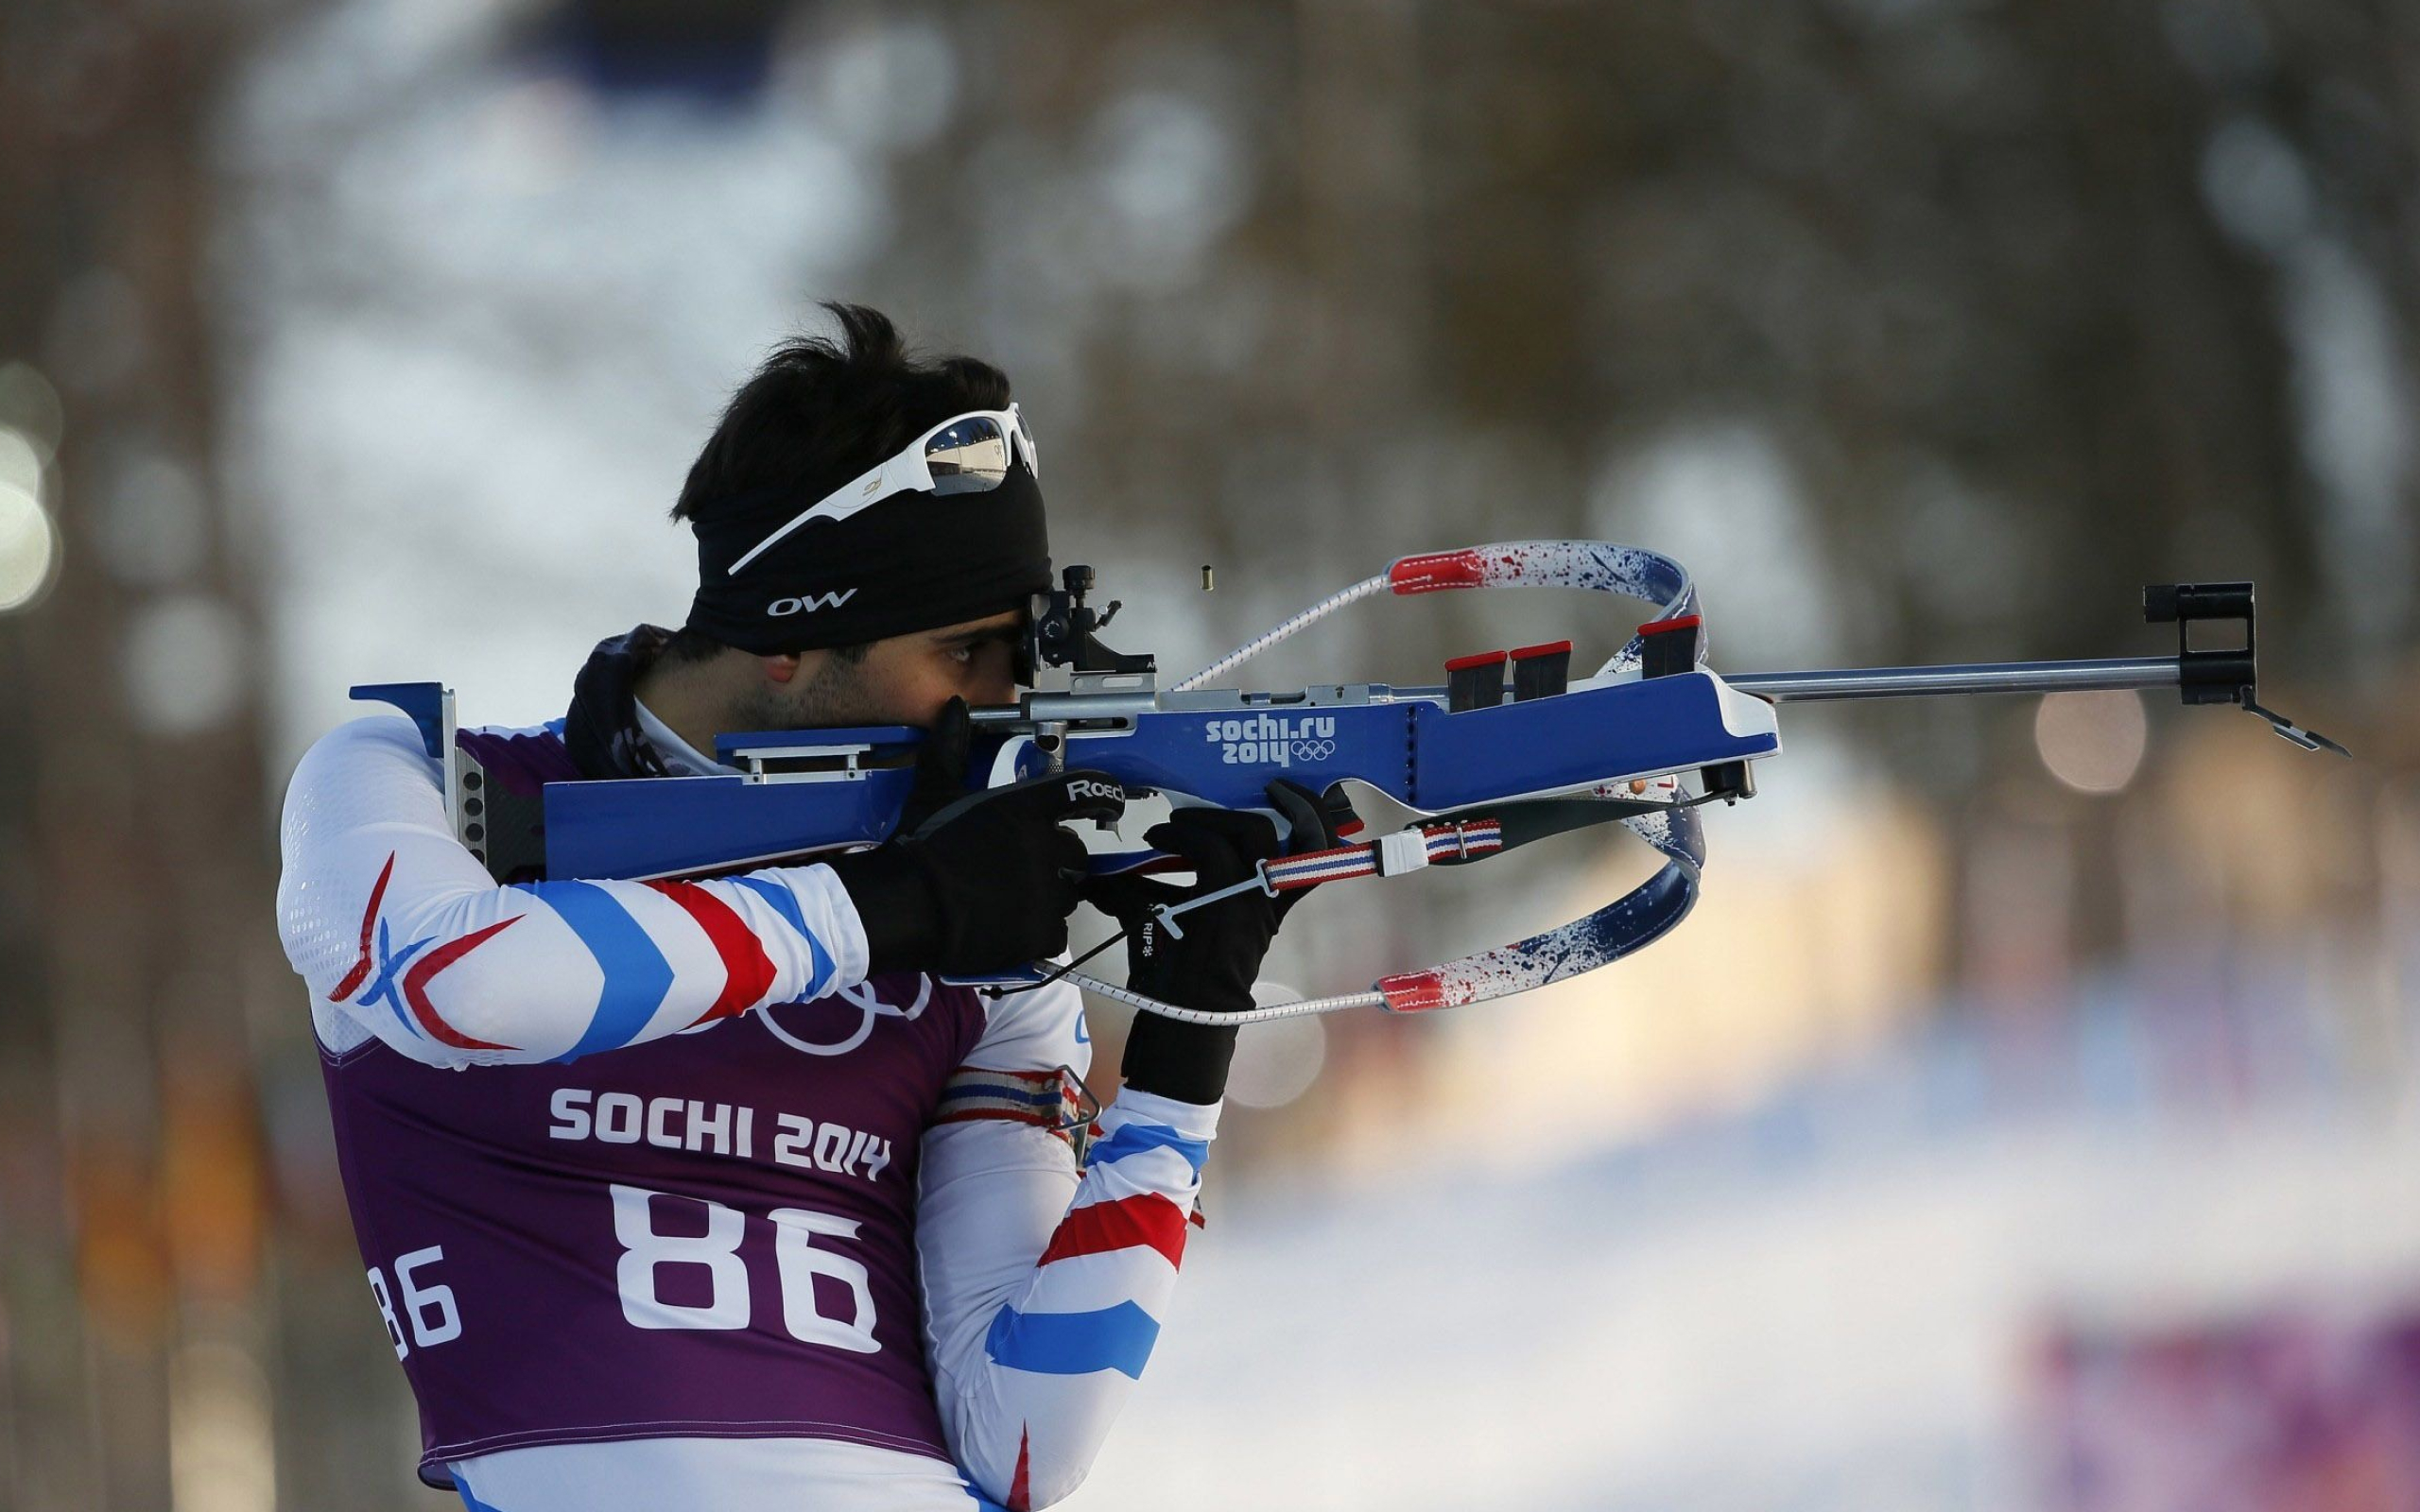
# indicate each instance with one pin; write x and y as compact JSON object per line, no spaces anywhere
{"x":971,"y":457}
{"x":1033,"y":448}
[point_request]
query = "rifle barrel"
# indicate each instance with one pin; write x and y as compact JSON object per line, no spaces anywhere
{"x":1979,"y":677}
{"x":1779,"y":687}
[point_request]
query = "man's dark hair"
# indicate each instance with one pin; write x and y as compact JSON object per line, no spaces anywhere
{"x":818,"y":413}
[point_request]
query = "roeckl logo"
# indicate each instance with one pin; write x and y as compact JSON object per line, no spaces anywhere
{"x":811,"y":603}
{"x":1086,"y":788}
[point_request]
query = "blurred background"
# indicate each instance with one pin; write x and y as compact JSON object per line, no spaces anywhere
{"x":2028,"y":1119}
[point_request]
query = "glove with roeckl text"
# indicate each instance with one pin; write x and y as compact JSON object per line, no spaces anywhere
{"x":980,"y":882}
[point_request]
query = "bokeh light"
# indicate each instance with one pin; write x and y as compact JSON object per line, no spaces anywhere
{"x":28,"y":547}
{"x":183,"y":664}
{"x":21,"y":460}
{"x":30,"y":406}
{"x":2093,"y":742}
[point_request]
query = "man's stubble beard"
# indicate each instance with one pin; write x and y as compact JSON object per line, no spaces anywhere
{"x":834,"y":697}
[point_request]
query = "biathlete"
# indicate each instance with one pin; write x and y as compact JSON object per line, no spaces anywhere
{"x":710,"y":1194}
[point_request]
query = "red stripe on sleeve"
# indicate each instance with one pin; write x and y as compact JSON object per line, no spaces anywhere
{"x":368,"y":921}
{"x":1021,"y":1484}
{"x":416,"y":987}
{"x":1146,"y":1220}
{"x":746,"y":971}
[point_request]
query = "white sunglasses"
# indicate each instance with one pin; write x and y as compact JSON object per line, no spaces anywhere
{"x":964,"y":454}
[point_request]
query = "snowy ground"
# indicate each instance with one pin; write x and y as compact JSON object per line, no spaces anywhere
{"x":1718,"y":1326}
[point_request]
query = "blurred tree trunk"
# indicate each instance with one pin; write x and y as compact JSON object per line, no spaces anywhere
{"x":137,"y":869}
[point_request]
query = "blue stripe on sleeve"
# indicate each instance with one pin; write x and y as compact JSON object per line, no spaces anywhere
{"x":473,"y":1503}
{"x":636,"y":974}
{"x":820,"y":967}
{"x":1010,"y":1093}
{"x":786,"y":904}
{"x":1134,"y":1139}
{"x":1073,"y":1344}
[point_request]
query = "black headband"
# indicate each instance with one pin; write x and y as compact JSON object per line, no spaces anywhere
{"x":913,"y":561}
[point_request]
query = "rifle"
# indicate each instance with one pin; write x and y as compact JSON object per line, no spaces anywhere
{"x":1419,"y":777}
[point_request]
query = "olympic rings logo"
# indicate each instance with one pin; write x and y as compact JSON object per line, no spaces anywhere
{"x":1314,"y":750}
{"x":867,"y":1002}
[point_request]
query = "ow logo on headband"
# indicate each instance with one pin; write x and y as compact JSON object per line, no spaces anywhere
{"x":811,"y":603}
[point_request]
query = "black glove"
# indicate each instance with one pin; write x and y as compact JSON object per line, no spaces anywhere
{"x":982,"y":882}
{"x":1213,"y":964}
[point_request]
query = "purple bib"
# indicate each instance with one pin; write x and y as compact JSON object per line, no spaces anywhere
{"x":711,"y":1234}
{"x":708,"y":1235}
